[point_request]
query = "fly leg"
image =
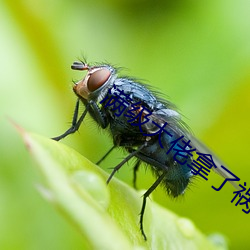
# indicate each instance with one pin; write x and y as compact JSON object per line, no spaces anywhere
{"x":105,"y":155}
{"x":145,"y":196}
{"x":75,"y":124}
{"x":135,"y":169}
{"x":124,"y":161}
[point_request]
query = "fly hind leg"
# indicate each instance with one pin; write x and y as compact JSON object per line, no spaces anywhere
{"x":145,"y":196}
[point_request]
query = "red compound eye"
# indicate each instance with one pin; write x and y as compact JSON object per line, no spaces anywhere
{"x":97,"y":79}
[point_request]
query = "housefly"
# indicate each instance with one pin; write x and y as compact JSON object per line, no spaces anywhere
{"x":148,"y":127}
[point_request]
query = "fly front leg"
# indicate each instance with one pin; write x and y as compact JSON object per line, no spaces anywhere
{"x":75,"y":123}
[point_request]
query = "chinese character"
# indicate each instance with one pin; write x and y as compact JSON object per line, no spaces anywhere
{"x":182,"y":151}
{"x":159,"y":132}
{"x":139,"y":115}
{"x":118,"y":102}
{"x":238,"y":194}
{"x":226,"y":179}
{"x":203,"y":164}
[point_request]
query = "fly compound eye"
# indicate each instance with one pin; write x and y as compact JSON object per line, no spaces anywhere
{"x":97,"y":79}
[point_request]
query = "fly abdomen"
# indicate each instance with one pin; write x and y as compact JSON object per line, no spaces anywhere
{"x":170,"y":159}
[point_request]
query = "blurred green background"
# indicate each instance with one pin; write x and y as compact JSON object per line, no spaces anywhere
{"x":195,"y":52}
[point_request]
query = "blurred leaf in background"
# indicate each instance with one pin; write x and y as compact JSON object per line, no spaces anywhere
{"x":197,"y":53}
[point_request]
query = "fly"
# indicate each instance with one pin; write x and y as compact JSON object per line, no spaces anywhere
{"x":148,"y":127}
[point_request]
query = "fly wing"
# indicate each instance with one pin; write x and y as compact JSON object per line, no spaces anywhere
{"x":167,"y":116}
{"x":219,"y":170}
{"x":175,"y":123}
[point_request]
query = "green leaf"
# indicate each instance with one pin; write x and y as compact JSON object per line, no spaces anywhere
{"x":107,"y":215}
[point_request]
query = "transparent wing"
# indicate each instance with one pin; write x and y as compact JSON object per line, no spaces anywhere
{"x":179,"y":127}
{"x":200,"y":147}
